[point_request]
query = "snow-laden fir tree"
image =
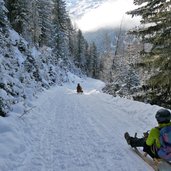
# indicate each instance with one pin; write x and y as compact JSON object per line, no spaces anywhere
{"x":93,"y":61}
{"x":156,"y":30}
{"x":45,"y":17}
{"x":38,"y":47}
{"x":3,"y":11}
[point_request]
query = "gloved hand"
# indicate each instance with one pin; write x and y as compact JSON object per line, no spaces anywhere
{"x":146,"y":134}
{"x":149,"y":151}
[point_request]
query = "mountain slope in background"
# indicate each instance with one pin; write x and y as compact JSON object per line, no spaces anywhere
{"x":78,"y":8}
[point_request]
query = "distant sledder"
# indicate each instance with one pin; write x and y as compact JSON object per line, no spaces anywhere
{"x":79,"y":89}
{"x":156,"y":143}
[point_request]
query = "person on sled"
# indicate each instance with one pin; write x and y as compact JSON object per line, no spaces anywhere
{"x":151,"y":142}
{"x":79,"y":88}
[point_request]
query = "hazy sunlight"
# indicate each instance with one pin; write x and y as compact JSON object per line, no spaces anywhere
{"x":109,"y":14}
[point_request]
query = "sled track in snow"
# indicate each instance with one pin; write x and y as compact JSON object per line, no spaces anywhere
{"x":74,"y":132}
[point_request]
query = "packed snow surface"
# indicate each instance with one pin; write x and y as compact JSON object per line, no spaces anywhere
{"x":66,"y":131}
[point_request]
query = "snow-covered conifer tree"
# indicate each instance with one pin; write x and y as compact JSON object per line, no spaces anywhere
{"x":156,"y":31}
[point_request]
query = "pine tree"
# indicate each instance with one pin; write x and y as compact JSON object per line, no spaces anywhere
{"x":60,"y":19}
{"x":92,"y":61}
{"x":80,"y":49}
{"x":72,"y":39}
{"x":3,"y":11}
{"x":45,"y":13}
{"x":17,"y":14}
{"x":156,"y":30}
{"x":34,"y":21}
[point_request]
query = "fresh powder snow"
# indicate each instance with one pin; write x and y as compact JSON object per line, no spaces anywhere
{"x":66,"y":131}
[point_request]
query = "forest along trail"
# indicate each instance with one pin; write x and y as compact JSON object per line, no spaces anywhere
{"x":72,"y":132}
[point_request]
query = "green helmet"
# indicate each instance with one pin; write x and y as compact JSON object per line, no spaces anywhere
{"x":163,"y":116}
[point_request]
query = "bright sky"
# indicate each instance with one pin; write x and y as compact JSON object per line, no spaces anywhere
{"x":109,"y":14}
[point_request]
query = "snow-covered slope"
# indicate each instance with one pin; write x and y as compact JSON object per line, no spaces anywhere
{"x":65,"y":131}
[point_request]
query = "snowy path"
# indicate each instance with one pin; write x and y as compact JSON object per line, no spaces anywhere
{"x":70,"y":132}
